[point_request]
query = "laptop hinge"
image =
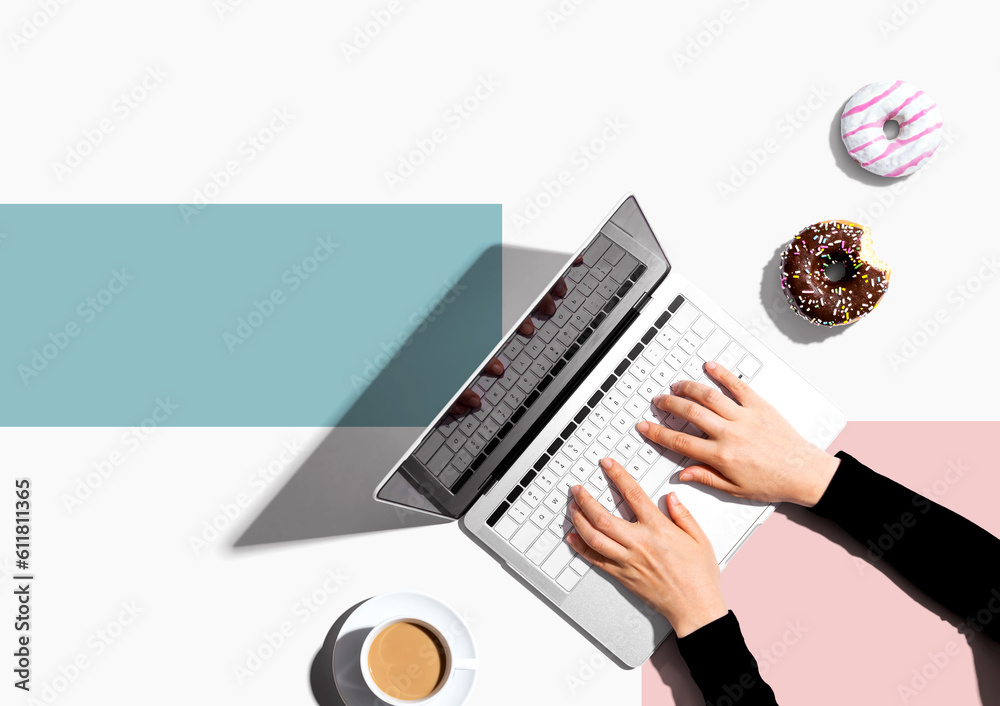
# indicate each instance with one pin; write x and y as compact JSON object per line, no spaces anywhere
{"x":641,"y":303}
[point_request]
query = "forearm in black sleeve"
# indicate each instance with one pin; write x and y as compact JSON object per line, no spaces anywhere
{"x":952,"y":560}
{"x":722,"y":666}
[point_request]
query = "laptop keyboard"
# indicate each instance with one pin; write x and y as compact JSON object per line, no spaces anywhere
{"x":533,"y":516}
{"x":459,"y":445}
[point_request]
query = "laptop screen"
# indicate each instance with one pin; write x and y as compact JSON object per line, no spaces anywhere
{"x":484,"y":422}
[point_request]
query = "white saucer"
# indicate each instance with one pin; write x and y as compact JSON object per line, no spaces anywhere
{"x":410,"y":604}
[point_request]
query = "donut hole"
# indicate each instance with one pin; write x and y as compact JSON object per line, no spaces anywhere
{"x":891,"y":129}
{"x":836,"y":271}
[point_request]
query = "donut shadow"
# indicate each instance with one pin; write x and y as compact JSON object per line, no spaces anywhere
{"x":785,"y":320}
{"x":848,"y":165}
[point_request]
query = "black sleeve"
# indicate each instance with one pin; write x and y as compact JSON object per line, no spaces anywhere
{"x":722,"y":666}
{"x":952,"y":560}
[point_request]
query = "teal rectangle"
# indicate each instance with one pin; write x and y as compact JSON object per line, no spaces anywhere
{"x":259,"y":315}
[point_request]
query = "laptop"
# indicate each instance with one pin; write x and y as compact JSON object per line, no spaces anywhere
{"x":628,"y":325}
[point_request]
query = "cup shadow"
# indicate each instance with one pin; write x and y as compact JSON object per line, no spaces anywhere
{"x":790,"y":324}
{"x":321,"y":676}
{"x":985,"y":652}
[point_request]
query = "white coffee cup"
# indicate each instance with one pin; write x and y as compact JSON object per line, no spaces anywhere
{"x":451,"y":664}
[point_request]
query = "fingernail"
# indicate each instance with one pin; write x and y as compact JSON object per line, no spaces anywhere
{"x":710,"y":365}
{"x":656,"y":400}
{"x":496,"y":367}
{"x":642,"y":426}
{"x":576,"y":489}
{"x":606,"y":462}
{"x":687,"y":476}
{"x":673,"y":499}
{"x":675,"y":387}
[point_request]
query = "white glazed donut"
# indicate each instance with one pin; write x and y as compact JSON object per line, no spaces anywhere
{"x":919,"y":128}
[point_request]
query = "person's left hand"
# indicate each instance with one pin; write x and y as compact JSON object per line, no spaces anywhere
{"x":668,"y":562}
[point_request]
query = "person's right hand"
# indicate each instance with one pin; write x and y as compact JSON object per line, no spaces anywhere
{"x":750,"y":452}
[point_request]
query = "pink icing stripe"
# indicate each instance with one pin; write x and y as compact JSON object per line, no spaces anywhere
{"x":877,"y":123}
{"x":900,"y":170}
{"x":905,"y":103}
{"x":858,"y":149}
{"x":873,"y":101}
{"x":896,"y":144}
{"x":919,"y":115}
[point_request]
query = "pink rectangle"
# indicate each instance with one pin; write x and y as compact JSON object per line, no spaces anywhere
{"x":827,"y":626}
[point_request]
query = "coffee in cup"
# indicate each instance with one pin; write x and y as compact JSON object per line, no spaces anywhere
{"x":406,"y":661}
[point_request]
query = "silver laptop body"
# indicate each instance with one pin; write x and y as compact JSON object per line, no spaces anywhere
{"x":629,"y":326}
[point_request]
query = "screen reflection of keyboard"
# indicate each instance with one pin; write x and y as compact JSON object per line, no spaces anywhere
{"x":460,"y":444}
{"x":533,"y":516}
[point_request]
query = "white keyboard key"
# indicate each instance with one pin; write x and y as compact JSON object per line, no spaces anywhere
{"x":599,"y":481}
{"x":636,"y":468}
{"x":656,"y":476}
{"x":736,"y":350}
{"x":545,"y":543}
{"x":567,"y":335}
{"x":609,"y":438}
{"x":693,"y":368}
{"x":572,"y":448}
{"x":626,"y":447}
{"x":649,"y":389}
{"x":535,"y":347}
{"x":607,"y":499}
{"x":713,"y":345}
{"x":667,"y":337}
{"x":587,"y":432}
{"x":626,"y":385}
{"x":599,"y":417}
{"x":506,"y":527}
{"x":532,"y":495}
{"x":676,"y":358}
{"x":527,"y":382}
{"x":557,"y":500}
{"x":636,"y":405}
{"x":749,"y":366}
{"x":579,"y":564}
{"x":662,"y":374}
{"x":703,"y":326}
{"x":683,"y":317}
{"x":595,"y":453}
{"x":568,"y":579}
{"x":541,"y":366}
{"x":542,"y":516}
{"x":559,"y":463}
{"x":582,"y":469}
{"x":674,"y":422}
{"x":559,"y":559}
{"x":524,"y":536}
{"x":654,"y":353}
{"x":546,"y":480}
{"x":573,"y":300}
{"x":562,"y":525}
{"x":689,"y":343}
{"x":509,"y":378}
{"x":519,"y":511}
{"x":614,"y":400}
{"x":623,"y":421}
{"x":640,"y":368}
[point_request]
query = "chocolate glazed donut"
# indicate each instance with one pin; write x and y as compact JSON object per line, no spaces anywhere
{"x":812,"y":294}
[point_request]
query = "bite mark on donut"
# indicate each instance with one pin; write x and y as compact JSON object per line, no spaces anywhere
{"x":812,"y":294}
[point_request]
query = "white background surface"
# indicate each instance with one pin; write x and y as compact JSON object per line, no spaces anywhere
{"x":683,"y":132}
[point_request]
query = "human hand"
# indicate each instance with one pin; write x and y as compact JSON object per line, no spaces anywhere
{"x":668,"y":562}
{"x":751,"y":451}
{"x":469,"y":399}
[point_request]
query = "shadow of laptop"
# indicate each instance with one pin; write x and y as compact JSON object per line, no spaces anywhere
{"x":330,"y":494}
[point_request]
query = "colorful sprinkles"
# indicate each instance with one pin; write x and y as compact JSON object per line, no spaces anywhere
{"x":814,"y":296}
